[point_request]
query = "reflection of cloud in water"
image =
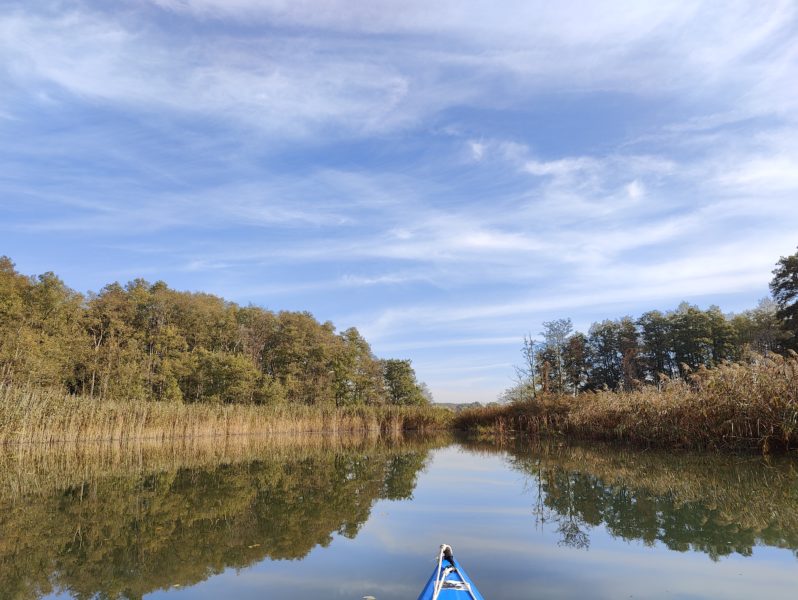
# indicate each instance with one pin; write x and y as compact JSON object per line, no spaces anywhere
{"x":376,"y":541}
{"x":626,"y":570}
{"x":449,"y":479}
{"x":509,"y":511}
{"x":129,"y":532}
{"x":352,"y":585}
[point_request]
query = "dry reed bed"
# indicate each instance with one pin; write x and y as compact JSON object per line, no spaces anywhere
{"x":39,"y":416}
{"x":751,"y":406}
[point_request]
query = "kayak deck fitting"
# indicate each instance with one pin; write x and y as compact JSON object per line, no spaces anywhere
{"x":449,"y":581}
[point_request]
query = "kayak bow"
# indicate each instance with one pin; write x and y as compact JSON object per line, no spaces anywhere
{"x":449,"y":581}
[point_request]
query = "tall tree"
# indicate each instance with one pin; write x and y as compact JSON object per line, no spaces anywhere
{"x":526,"y":373}
{"x":401,"y":384}
{"x":691,"y":331}
{"x":656,"y":346}
{"x":629,"y":351}
{"x":555,"y":339}
{"x":604,"y":355}
{"x":576,"y":367}
{"x":759,"y":330}
{"x":784,"y":287}
{"x":358,"y":375}
{"x":13,"y":290}
{"x":721,"y":335}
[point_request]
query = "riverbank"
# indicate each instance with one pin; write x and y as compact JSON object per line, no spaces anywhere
{"x":34,"y":416}
{"x":746,"y":406}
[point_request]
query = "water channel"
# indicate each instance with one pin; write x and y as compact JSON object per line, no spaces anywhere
{"x":346,"y":518}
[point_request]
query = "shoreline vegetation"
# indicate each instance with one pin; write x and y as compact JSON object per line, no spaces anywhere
{"x":40,"y":416}
{"x":734,"y":406}
{"x":145,"y":362}
{"x":750,"y":407}
{"x":683,"y":379}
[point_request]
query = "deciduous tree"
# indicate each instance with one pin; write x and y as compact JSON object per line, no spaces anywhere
{"x":784,"y":287}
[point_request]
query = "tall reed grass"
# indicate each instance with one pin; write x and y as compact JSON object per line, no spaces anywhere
{"x":29,"y":415}
{"x":750,"y":406}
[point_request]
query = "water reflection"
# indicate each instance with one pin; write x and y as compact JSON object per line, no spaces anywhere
{"x":715,"y":504}
{"x":113,"y":526}
{"x":110,"y":522}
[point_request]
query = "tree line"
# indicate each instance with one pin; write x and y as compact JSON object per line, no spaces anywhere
{"x":627,"y":353}
{"x":143,"y":341}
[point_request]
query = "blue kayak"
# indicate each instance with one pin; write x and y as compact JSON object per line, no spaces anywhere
{"x":449,"y":581}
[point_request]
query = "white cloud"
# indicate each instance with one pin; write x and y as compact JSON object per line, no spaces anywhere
{"x":322,"y":74}
{"x":449,"y":343}
{"x":561,"y":168}
{"x":655,"y":284}
{"x":635,"y":190}
{"x":234,"y":204}
{"x":287,"y":86}
{"x":501,"y":232}
{"x":764,"y":174}
{"x":477,"y":149}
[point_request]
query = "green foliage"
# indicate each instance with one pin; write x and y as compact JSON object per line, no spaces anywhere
{"x":655,"y":337}
{"x":552,"y":357}
{"x":400,"y":381}
{"x":624,"y":354}
{"x":575,"y":361}
{"x":221,"y":377}
{"x":760,"y":329}
{"x":604,"y":355}
{"x":41,"y":336}
{"x":146,"y":341}
{"x":784,"y":287}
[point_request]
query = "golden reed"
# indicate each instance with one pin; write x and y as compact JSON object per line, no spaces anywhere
{"x":740,"y":406}
{"x":30,"y":415}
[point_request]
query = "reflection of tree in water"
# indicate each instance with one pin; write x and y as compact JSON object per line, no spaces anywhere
{"x":718,"y":505}
{"x":570,"y":524}
{"x":573,"y":536}
{"x":124,"y":536}
{"x":581,"y":501}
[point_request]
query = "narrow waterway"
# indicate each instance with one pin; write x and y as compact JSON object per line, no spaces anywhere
{"x":350,"y":519}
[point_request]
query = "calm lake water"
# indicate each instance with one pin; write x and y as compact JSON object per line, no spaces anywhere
{"x":348,"y":518}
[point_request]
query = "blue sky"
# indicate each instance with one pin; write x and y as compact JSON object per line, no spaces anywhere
{"x":445,"y":176}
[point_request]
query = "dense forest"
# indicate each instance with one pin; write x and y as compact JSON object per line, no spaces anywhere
{"x":144,"y":341}
{"x":627,"y":353}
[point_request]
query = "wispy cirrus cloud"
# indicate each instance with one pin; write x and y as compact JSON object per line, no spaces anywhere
{"x":285,"y":86}
{"x":443,"y":175}
{"x":300,"y":75}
